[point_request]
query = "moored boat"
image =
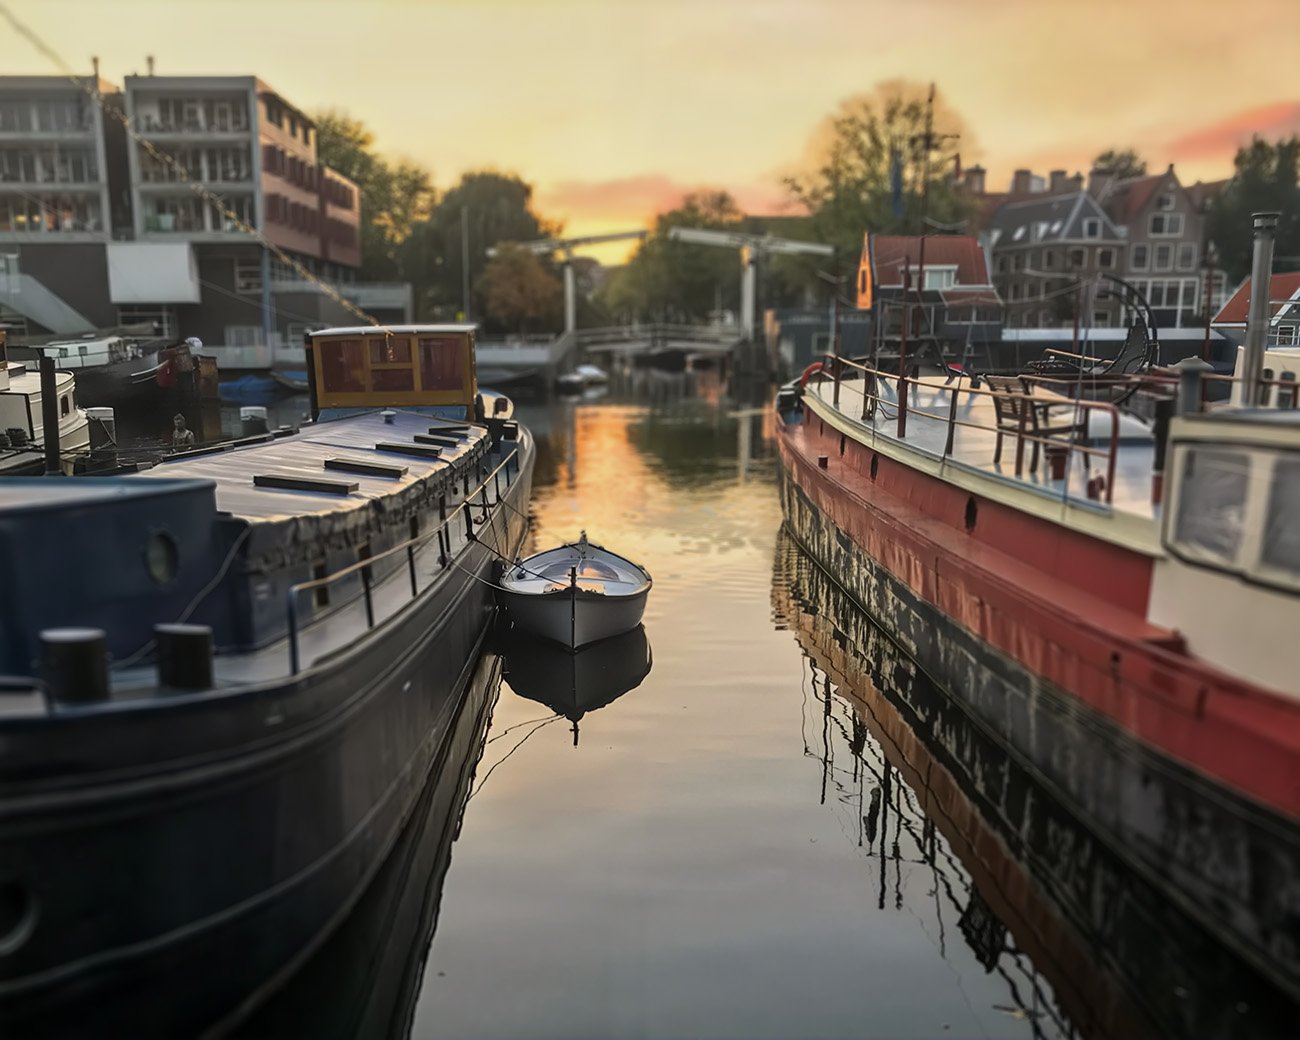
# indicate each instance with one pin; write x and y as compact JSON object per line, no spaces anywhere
{"x":575,"y":594}
{"x":1028,"y":551}
{"x":291,"y":621}
{"x":22,"y":426}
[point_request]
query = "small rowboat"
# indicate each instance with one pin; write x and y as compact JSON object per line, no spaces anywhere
{"x":576,"y":594}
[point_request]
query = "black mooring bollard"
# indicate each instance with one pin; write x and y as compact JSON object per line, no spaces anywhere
{"x":184,"y":656}
{"x":74,"y":664}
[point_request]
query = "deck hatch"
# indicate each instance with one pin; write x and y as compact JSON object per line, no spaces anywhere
{"x":286,"y":482}
{"x":422,"y":451}
{"x":367,"y":469}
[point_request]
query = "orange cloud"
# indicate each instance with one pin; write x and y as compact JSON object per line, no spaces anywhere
{"x":634,"y":201}
{"x":1222,"y":139}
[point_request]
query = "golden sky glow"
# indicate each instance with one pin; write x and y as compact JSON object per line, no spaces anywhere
{"x":613,"y":108}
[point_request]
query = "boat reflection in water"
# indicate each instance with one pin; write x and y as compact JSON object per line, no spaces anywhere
{"x":1087,"y":947}
{"x":365,"y":980}
{"x":573,"y":684}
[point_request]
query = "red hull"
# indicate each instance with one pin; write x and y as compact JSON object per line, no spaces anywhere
{"x":1068,"y":607}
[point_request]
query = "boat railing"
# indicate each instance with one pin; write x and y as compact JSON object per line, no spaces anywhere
{"x":834,"y":368}
{"x":475,"y":498}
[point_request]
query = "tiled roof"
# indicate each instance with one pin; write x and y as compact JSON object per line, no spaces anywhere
{"x":893,"y":251}
{"x":1203,"y":192}
{"x":1047,"y":219}
{"x":1128,"y":198}
{"x":1281,"y":287}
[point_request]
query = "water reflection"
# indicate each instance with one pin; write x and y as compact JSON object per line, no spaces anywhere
{"x":1084,"y":946}
{"x":573,"y":684}
{"x":363,"y":982}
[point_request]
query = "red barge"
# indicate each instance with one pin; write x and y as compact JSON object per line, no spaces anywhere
{"x":1152,"y":612}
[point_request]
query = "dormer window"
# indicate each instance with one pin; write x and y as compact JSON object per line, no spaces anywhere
{"x":1165,"y":201}
{"x":1092,"y":228}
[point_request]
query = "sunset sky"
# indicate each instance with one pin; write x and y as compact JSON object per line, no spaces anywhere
{"x":614,"y":108}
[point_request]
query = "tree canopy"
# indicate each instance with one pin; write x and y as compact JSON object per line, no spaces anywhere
{"x":667,"y":280}
{"x":395,"y":197}
{"x":1122,"y":162}
{"x":496,"y":208}
{"x":1267,"y":178}
{"x":871,"y":167}
{"x":519,"y":291}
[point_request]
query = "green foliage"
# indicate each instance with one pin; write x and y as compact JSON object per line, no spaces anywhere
{"x":496,"y":208}
{"x":394,"y":197}
{"x":1267,"y":178}
{"x":519,"y":292}
{"x":849,"y":188}
{"x":668,"y":280}
{"x":1122,"y":162}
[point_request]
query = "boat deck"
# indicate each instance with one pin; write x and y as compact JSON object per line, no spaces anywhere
{"x":975,"y":436}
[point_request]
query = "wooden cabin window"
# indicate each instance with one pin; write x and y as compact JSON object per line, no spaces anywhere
{"x":343,"y":365}
{"x":442,"y":362}
{"x":391,"y":366}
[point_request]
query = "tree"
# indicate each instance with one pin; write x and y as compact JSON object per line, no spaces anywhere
{"x":1267,"y":178}
{"x":496,"y":208}
{"x":667,"y":280}
{"x":870,"y":167}
{"x":519,"y":291}
{"x":1123,"y":163}
{"x":394,"y":197}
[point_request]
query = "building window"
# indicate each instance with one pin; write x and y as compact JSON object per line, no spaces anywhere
{"x":1105,"y":258}
{"x":158,"y":319}
{"x":1049,"y":259}
{"x":1165,"y":201}
{"x":1001,"y":264}
{"x":1101,"y":319}
{"x":1187,"y":256}
{"x":1078,"y":258}
{"x":1167,"y":224}
{"x":1164,"y":260}
{"x":940,"y":277}
{"x":248,"y":277}
{"x":1092,"y":228}
{"x":244,"y":336}
{"x":1140,"y":257}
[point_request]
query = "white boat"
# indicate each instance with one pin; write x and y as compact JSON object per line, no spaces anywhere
{"x":576,"y":594}
{"x":21,"y":412}
{"x":580,"y":378}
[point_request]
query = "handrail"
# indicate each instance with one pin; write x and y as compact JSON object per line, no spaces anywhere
{"x":834,"y":364}
{"x":409,"y":545}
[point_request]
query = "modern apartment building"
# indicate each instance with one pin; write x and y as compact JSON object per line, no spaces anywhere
{"x":99,"y":229}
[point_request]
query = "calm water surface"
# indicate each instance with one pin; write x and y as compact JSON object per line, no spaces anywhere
{"x":707,"y":861}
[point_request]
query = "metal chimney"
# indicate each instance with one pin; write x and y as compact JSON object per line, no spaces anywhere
{"x":1257,"y":318}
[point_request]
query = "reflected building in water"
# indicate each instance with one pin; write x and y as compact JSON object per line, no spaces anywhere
{"x":1086,"y":946}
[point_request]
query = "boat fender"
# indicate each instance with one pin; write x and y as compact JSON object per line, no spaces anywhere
{"x":809,"y":372}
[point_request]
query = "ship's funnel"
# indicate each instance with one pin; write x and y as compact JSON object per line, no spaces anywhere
{"x":1261,"y":280}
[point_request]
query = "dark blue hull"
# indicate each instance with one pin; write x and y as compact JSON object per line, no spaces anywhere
{"x":174,"y":865}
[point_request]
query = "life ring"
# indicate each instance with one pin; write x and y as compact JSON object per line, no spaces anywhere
{"x":809,"y":372}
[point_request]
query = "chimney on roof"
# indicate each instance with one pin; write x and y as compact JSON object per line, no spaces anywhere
{"x":1075,"y":183}
{"x":1058,"y":182}
{"x":1022,"y":182}
{"x":94,"y":65}
{"x":1100,"y":180}
{"x":975,"y":180}
{"x":148,"y":62}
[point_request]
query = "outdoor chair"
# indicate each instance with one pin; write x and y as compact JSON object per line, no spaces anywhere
{"x":1021,"y":414}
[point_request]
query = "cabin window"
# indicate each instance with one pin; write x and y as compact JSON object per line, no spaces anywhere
{"x":442,"y":362}
{"x":343,"y":367}
{"x":65,"y":406}
{"x":1281,"y":549}
{"x":1212,"y":503}
{"x":390,"y":364}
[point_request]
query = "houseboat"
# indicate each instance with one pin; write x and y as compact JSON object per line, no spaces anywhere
{"x":228,"y":678}
{"x":1088,"y":946}
{"x":22,"y":428}
{"x":1054,"y":560}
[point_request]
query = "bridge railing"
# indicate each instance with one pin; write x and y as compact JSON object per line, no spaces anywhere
{"x":615,"y":334}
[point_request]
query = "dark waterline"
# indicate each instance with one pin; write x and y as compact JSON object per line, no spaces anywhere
{"x":782,"y":830}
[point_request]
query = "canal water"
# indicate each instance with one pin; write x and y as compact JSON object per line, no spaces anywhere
{"x":775,"y":832}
